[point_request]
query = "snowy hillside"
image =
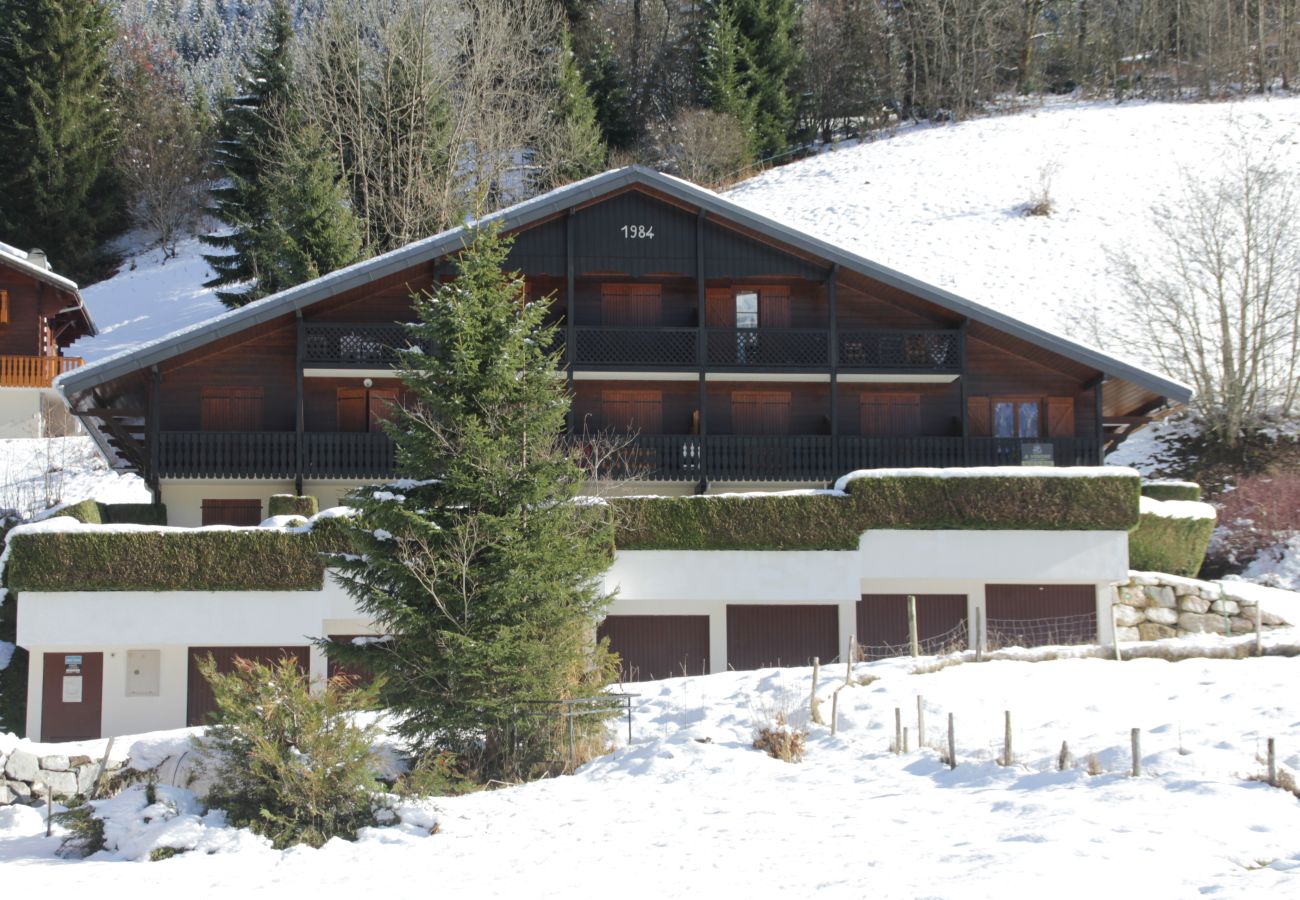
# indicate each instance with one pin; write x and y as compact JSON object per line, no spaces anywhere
{"x":691,"y":809}
{"x":944,"y":203}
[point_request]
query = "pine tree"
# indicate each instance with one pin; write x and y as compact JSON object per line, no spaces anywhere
{"x":722,"y":86}
{"x":57,"y":130}
{"x":576,"y":145}
{"x":251,"y":126}
{"x":483,"y":566}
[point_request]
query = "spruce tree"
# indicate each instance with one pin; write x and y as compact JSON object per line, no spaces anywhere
{"x":722,"y":86}
{"x":251,"y":127}
{"x":577,"y":149}
{"x":483,"y":565}
{"x":57,"y":131}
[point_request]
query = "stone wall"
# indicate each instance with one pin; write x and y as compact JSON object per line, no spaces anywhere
{"x":29,"y":778}
{"x":1152,"y":606}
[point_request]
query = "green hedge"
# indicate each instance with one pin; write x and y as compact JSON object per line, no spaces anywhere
{"x":93,"y":513}
{"x":289,"y":505}
{"x":1172,"y":490}
{"x":827,"y":522}
{"x":172,"y":560}
{"x":1167,"y":544}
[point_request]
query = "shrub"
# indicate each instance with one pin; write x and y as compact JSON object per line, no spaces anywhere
{"x":85,"y":831}
{"x":86,"y":511}
{"x":91,"y":512}
{"x":1166,"y":544}
{"x":780,"y":740}
{"x":1260,"y":512}
{"x":289,"y":505}
{"x":289,"y":764}
{"x":13,"y":677}
{"x":1171,"y":490}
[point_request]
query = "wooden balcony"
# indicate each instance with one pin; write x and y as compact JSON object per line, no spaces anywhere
{"x":353,"y":346}
{"x":648,"y":457}
{"x":35,"y":371}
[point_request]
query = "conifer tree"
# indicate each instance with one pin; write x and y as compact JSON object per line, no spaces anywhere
{"x":576,"y":147}
{"x":57,"y":130}
{"x":722,"y":85}
{"x":483,"y":566}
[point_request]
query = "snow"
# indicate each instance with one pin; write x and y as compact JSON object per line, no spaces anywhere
{"x":1277,"y":566}
{"x":691,"y":809}
{"x":990,"y":472}
{"x":38,"y":473}
{"x":1176,"y":509}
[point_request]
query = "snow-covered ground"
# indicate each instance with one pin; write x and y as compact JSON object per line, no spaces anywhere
{"x":36,"y":473}
{"x":691,"y":809}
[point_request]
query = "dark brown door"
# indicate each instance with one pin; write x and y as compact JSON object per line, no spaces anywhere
{"x":882,"y":624}
{"x":762,"y":636}
{"x":653,"y":647}
{"x":201,"y":702}
{"x":72,"y":696}
{"x":1038,"y":615}
{"x":231,"y":512}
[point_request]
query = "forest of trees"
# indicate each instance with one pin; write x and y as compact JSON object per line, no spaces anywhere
{"x":306,"y":134}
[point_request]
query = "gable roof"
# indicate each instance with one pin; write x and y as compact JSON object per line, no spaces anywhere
{"x":557,"y":201}
{"x":18,"y":259}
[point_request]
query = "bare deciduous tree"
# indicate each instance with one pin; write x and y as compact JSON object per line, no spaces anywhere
{"x":703,"y":146}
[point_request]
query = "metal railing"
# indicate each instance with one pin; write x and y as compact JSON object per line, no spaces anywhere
{"x":348,"y":345}
{"x":927,"y":350}
{"x":768,"y":348}
{"x":658,"y":347}
{"x":35,"y":371}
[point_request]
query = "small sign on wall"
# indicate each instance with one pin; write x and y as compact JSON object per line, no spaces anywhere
{"x":72,"y":680}
{"x":1033,"y":453}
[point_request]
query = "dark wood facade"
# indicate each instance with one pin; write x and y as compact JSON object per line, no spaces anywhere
{"x":734,"y":356}
{"x":37,"y":320}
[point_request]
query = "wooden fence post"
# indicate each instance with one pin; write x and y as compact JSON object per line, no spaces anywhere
{"x":814,"y":710}
{"x":911,"y":625}
{"x":1006,"y":741}
{"x":1259,"y":631}
{"x":835,"y":712}
{"x":1063,"y":761}
{"x":1272,"y":763}
{"x":920,"y":721}
{"x":906,"y":748}
{"x":979,"y":633}
{"x":1136,"y":737}
{"x":898,"y":729}
{"x":952,"y":744}
{"x":848,"y":663}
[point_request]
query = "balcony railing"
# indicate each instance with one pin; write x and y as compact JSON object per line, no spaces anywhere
{"x":35,"y":371}
{"x":768,"y":348}
{"x":647,"y":457}
{"x":353,"y":345}
{"x":640,"y":347}
{"x":909,"y":349}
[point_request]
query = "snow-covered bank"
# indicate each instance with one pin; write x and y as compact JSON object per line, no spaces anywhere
{"x":691,"y":808}
{"x":36,"y":473}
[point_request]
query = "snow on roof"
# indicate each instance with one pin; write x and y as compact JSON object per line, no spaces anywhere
{"x":20,"y":259}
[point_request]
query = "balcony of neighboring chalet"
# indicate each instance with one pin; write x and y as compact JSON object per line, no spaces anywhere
{"x":35,"y":371}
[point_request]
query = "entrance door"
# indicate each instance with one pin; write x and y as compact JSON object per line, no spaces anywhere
{"x":72,"y":696}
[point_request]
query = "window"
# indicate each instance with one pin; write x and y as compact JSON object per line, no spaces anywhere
{"x":231,"y":409}
{"x":1016,"y":418}
{"x":747,"y":309}
{"x":232,"y":512}
{"x":891,"y":415}
{"x":363,"y":409}
{"x":640,"y":412}
{"x":631,"y":305}
{"x":760,"y":412}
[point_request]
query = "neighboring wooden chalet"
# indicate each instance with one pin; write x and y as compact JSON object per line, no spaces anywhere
{"x":40,"y":314}
{"x":740,"y":351}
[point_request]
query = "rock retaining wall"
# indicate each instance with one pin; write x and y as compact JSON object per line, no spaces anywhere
{"x":29,"y":778}
{"x":1152,"y":606}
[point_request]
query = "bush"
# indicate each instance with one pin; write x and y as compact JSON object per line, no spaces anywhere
{"x":1173,"y":545}
{"x":92,"y":513}
{"x":1259,"y":512}
{"x":289,"y":764}
{"x":13,"y":677}
{"x":289,"y":505}
{"x":1171,"y":490}
{"x":86,"y":511}
{"x":781,"y":741}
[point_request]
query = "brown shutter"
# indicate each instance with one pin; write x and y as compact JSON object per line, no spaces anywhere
{"x":231,"y":512}
{"x":231,"y":409}
{"x":351,"y":409}
{"x":979,"y":416}
{"x":4,"y":307}
{"x":760,"y":412}
{"x":720,"y":308}
{"x":639,"y":411}
{"x":774,"y":308}
{"x":891,"y":414}
{"x":1060,"y":417}
{"x":631,"y":305}
{"x":379,"y":402}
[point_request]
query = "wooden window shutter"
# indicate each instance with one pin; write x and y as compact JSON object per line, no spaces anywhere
{"x":631,"y":305}
{"x":894,"y":415}
{"x":979,"y":416}
{"x":774,"y":308}
{"x":719,"y":308}
{"x":351,"y":408}
{"x":4,"y":307}
{"x":379,"y":403}
{"x":760,"y":412}
{"x":231,"y":409}
{"x":638,"y":411}
{"x":1060,"y":417}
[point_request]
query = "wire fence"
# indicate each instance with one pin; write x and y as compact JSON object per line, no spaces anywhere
{"x":953,"y":640}
{"x":1058,"y":630}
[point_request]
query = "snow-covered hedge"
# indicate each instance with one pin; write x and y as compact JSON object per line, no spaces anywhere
{"x":991,"y":499}
{"x":1172,"y":536}
{"x":1171,"y":490}
{"x":93,"y":513}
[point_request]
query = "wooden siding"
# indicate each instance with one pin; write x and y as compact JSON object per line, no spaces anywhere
{"x":679,"y":401}
{"x":763,"y":636}
{"x":600,"y":244}
{"x":200,"y":702}
{"x":809,"y":405}
{"x":652,"y":647}
{"x":883,"y":628}
{"x":265,"y":361}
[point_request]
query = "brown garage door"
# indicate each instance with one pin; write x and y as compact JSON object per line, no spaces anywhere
{"x":658,"y":646}
{"x":355,"y":673}
{"x":201,"y":702}
{"x":72,"y":696}
{"x":1039,"y":615}
{"x":882,"y":624}
{"x":762,"y":636}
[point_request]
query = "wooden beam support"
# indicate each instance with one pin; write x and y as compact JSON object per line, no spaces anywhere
{"x":570,"y":312}
{"x":154,"y":427}
{"x":300,"y":349}
{"x":832,"y":348}
{"x":701,"y":357}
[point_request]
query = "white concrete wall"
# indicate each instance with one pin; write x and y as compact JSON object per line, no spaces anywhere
{"x":996,"y":557}
{"x":20,"y":412}
{"x":184,"y":496}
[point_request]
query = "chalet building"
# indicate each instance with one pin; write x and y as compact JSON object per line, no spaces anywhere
{"x":741,"y":353}
{"x":40,"y":313}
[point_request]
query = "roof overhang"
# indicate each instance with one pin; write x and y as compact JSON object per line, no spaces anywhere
{"x":58,"y":282}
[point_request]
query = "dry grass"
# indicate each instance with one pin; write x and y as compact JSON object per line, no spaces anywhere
{"x":1094,"y":765}
{"x":780,"y":740}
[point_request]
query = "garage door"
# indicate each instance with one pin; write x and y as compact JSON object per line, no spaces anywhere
{"x":763,"y":636}
{"x":658,"y":646}
{"x":1039,"y":615}
{"x":201,"y":703}
{"x":882,"y":624}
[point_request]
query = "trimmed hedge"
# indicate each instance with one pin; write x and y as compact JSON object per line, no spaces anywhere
{"x":1172,"y":490}
{"x":172,"y":560}
{"x":1172,"y":545}
{"x":827,"y":522}
{"x":289,"y":505}
{"x":93,"y":513}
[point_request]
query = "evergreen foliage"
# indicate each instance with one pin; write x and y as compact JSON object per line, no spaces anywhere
{"x":485,"y":568}
{"x":607,"y":88}
{"x":57,"y":131}
{"x":288,"y":763}
{"x":579,"y":147}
